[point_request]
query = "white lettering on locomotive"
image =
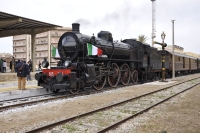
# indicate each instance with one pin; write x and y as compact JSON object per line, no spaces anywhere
{"x":51,"y":74}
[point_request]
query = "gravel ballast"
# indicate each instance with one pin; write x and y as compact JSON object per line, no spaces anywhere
{"x":26,"y":118}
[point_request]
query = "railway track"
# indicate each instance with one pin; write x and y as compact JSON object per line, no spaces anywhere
{"x":109,"y":117}
{"x":32,"y":100}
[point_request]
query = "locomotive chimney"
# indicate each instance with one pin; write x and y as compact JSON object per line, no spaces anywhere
{"x":75,"y":27}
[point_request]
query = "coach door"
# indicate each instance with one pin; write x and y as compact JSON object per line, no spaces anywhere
{"x":183,"y":62}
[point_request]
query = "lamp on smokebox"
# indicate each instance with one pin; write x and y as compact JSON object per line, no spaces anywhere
{"x":163,"y":35}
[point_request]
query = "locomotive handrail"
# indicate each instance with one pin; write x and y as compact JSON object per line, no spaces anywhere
{"x":114,"y":59}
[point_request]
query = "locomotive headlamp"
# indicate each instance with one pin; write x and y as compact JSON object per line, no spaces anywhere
{"x":163,"y":35}
{"x":67,"y":63}
{"x":45,"y":63}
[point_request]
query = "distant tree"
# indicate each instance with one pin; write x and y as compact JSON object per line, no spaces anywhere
{"x":142,"y":38}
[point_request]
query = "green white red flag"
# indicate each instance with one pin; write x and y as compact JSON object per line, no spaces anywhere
{"x":55,"y":52}
{"x":93,"y":50}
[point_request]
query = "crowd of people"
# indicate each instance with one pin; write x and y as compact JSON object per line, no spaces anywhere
{"x":22,"y":68}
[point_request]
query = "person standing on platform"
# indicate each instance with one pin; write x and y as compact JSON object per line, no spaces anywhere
{"x":0,"y":64}
{"x":11,"y":66}
{"x":4,"y":66}
{"x":30,"y":65}
{"x":21,"y":69}
{"x":39,"y":66}
{"x":28,"y":71}
{"x":16,"y":62}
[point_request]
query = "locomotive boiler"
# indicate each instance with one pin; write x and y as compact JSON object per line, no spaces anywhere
{"x":87,"y":61}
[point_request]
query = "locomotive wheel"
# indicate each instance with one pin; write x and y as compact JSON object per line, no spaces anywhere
{"x":102,"y":78}
{"x":134,"y":76}
{"x":56,"y":90}
{"x":125,"y":74}
{"x":114,"y":77}
{"x":75,"y":90}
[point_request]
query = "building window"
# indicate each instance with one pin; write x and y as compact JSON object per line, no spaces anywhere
{"x":15,"y":55}
{"x":15,"y":50}
{"x":179,"y":58}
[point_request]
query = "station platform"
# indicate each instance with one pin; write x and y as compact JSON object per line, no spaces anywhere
{"x":9,"y":82}
{"x":8,"y":76}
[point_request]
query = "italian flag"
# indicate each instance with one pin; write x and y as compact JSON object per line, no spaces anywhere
{"x":93,"y":50}
{"x":55,"y":52}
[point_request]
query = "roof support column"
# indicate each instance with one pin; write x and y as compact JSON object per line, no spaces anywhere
{"x":33,"y":51}
{"x":27,"y":48}
{"x":49,"y":48}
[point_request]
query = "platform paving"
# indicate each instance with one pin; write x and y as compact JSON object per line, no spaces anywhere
{"x":8,"y":76}
{"x":9,"y":82}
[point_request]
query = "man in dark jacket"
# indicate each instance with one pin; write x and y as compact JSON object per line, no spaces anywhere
{"x":21,"y":69}
{"x":1,"y":65}
{"x":30,"y":65}
{"x":11,"y":66}
{"x":28,"y":71}
{"x":17,"y":62}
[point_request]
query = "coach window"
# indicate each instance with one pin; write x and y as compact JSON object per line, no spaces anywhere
{"x":179,"y":58}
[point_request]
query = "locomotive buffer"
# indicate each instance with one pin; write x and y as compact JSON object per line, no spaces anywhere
{"x":163,"y":53}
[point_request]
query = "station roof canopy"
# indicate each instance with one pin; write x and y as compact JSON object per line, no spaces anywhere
{"x":11,"y":25}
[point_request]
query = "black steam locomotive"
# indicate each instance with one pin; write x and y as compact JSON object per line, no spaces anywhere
{"x":94,"y":61}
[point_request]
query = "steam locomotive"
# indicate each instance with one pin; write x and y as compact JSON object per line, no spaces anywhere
{"x":87,"y":61}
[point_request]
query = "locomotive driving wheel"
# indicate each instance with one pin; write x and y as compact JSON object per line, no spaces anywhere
{"x":55,"y":90}
{"x":114,"y":75}
{"x":134,"y":76}
{"x":102,"y":77}
{"x":75,"y":90}
{"x":125,"y":74}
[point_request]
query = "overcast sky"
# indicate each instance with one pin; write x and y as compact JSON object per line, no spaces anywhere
{"x":123,"y":18}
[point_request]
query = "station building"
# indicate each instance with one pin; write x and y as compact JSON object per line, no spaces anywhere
{"x":43,"y":42}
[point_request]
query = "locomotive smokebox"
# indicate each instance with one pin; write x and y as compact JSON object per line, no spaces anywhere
{"x":75,"y":27}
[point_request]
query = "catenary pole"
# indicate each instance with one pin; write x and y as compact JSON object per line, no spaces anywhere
{"x":173,"y":69}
